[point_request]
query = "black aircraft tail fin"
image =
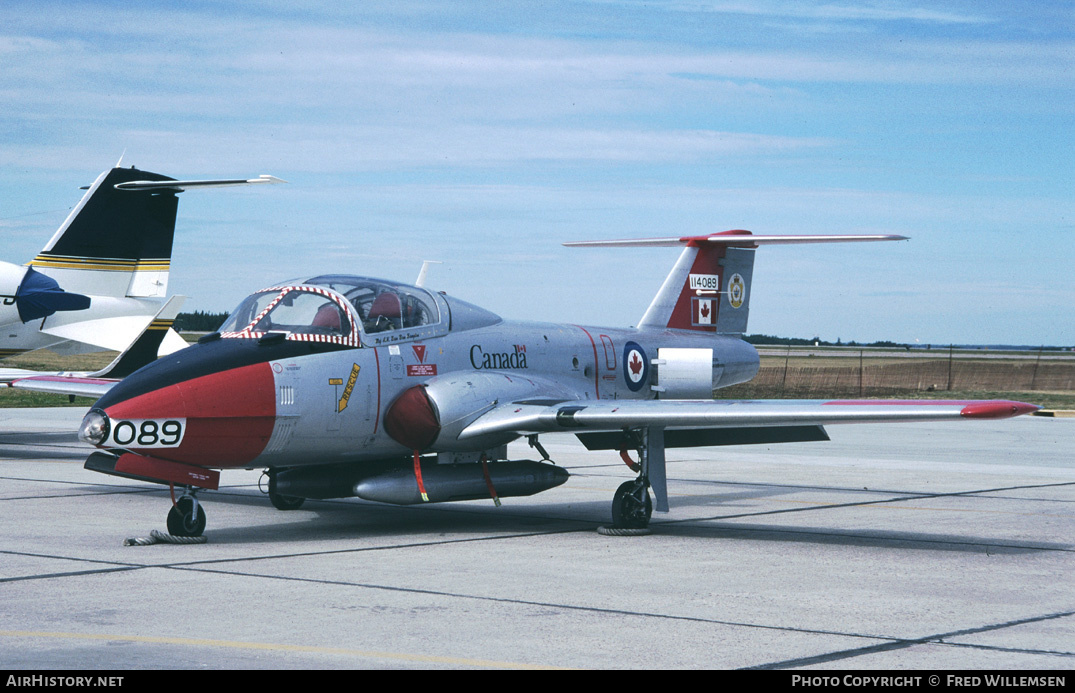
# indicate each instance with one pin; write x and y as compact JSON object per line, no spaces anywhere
{"x":115,"y":229}
{"x":118,"y":240}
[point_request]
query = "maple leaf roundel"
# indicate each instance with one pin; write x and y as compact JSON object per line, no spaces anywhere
{"x":635,"y":366}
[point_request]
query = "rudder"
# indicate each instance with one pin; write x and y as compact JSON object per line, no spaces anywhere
{"x":708,"y":289}
{"x":115,"y":242}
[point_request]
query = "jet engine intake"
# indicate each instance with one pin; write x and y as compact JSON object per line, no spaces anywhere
{"x":26,"y":294}
{"x":433,"y":414}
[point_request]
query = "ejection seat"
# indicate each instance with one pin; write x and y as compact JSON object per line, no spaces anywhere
{"x":386,"y":313}
{"x":327,"y":319}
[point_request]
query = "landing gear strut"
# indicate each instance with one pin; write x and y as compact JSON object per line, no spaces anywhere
{"x":632,"y":505}
{"x":187,"y":517}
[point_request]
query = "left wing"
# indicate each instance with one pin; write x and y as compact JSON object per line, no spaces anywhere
{"x":81,"y":386}
{"x":153,"y":340}
{"x":614,"y":415}
{"x":605,"y":424}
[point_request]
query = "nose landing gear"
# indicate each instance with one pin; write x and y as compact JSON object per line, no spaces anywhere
{"x":187,"y":517}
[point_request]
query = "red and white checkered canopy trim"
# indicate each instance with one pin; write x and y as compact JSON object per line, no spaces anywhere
{"x":352,"y":339}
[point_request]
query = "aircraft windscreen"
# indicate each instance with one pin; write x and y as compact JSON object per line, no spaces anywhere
{"x":302,"y":312}
{"x":249,"y":309}
{"x":297,"y":311}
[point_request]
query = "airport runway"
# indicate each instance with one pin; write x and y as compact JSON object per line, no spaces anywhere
{"x":901,"y":546}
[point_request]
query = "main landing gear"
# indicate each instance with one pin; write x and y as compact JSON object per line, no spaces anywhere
{"x":632,"y":504}
{"x":279,"y":500}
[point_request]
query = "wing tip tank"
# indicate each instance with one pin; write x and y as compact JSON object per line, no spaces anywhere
{"x":997,"y":409}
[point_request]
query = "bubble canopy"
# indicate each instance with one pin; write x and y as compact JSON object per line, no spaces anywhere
{"x":334,"y":308}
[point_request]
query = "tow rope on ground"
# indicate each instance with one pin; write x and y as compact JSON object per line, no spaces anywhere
{"x":158,"y":537}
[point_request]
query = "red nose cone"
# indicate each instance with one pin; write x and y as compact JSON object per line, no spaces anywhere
{"x":228,"y":418}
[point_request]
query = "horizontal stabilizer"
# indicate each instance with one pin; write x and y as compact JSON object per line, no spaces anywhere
{"x":188,"y":184}
{"x":733,"y":238}
{"x":709,"y":288}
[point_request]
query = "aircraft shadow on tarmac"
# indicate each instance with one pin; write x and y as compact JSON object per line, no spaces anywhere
{"x":321,"y":520}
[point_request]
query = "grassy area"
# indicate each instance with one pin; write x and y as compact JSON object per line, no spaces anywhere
{"x":44,"y":360}
{"x":1049,"y":384}
{"x":10,"y":398}
{"x":47,"y":361}
{"x":1048,"y":400}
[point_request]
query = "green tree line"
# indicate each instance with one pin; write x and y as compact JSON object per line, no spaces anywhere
{"x":199,"y":321}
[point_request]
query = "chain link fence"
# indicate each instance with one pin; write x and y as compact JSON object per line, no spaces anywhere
{"x":799,"y":377}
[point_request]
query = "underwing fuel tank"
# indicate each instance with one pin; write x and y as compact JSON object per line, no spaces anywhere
{"x":442,"y":482}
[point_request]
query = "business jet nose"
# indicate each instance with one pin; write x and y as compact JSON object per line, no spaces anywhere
{"x":222,"y":418}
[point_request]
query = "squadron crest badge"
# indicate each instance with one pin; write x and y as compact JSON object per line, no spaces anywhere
{"x":737,"y":290}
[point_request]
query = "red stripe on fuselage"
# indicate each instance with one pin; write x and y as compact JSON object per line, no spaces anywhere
{"x":596,"y":377}
{"x":230,"y":415}
{"x":377,"y":419}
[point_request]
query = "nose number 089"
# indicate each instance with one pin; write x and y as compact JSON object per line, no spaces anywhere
{"x":147,"y":433}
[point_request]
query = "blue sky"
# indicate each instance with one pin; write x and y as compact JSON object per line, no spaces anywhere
{"x":483,"y":135}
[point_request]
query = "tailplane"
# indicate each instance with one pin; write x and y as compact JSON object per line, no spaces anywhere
{"x":708,"y":289}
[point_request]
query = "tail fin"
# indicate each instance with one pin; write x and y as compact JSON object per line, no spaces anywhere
{"x":708,"y":289}
{"x":118,"y":240}
{"x":115,"y":242}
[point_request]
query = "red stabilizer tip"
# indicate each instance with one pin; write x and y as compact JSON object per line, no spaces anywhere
{"x":1000,"y":409}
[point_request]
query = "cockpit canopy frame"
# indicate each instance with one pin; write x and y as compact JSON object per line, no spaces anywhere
{"x":340,"y":309}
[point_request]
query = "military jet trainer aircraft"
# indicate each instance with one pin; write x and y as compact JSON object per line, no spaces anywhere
{"x":102,"y":280}
{"x":344,"y":386}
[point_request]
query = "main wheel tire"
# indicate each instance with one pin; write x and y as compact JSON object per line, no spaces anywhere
{"x":632,"y":506}
{"x":181,"y":520}
{"x":282,"y":502}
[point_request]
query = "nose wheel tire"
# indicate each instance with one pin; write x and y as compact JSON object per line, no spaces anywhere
{"x":186,"y":518}
{"x":632,"y":505}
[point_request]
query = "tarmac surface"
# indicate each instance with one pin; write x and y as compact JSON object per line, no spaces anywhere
{"x":898,"y":546}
